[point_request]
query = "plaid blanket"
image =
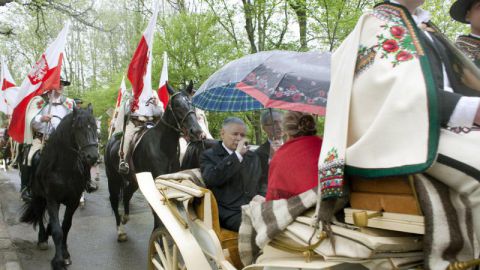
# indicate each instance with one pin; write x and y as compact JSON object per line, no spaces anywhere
{"x":193,"y":175}
{"x":449,"y":235}
{"x":261,"y":222}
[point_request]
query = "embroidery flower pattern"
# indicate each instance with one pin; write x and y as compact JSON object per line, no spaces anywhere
{"x":331,"y":155}
{"x":40,"y":104}
{"x":396,"y":43}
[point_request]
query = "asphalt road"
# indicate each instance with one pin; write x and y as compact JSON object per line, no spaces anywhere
{"x":92,"y":239}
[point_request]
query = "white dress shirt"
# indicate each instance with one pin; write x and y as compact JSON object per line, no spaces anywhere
{"x":57,"y":110}
{"x":239,"y":156}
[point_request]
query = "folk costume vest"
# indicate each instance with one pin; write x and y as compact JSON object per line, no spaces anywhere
{"x":470,"y":45}
{"x":383,"y":114}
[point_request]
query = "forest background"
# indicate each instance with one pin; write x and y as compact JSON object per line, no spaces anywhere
{"x":199,"y":36}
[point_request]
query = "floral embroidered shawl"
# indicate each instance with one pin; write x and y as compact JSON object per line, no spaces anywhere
{"x":381,"y":116}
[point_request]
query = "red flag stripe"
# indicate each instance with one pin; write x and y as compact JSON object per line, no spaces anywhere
{"x":6,"y":84}
{"x":137,"y":70}
{"x":50,"y":81}
{"x":163,"y":95}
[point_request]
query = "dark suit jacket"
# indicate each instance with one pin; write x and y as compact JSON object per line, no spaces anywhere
{"x":263,"y":152}
{"x":233,"y":183}
{"x":438,"y":53}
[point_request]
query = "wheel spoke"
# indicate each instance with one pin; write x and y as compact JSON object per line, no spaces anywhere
{"x":175,"y":257}
{"x":161,"y":255}
{"x":166,"y":248}
{"x":163,"y":252}
{"x":157,"y":264}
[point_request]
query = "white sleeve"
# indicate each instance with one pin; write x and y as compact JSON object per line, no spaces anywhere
{"x":464,"y":113}
{"x":239,"y":156}
{"x":37,"y":124}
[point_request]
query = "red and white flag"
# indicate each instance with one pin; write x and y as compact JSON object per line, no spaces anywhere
{"x":162,"y":88}
{"x":9,"y":91}
{"x":44,"y":76}
{"x":140,"y":68}
{"x":121,"y":93}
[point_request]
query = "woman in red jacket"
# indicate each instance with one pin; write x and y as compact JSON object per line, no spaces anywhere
{"x":293,"y":169}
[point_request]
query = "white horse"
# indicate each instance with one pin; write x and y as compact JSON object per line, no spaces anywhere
{"x":202,"y":120}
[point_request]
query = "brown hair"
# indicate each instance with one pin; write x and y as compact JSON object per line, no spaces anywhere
{"x":296,"y":124}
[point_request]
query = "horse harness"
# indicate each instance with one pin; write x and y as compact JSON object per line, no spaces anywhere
{"x":179,"y":124}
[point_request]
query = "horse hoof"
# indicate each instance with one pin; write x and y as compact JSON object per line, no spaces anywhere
{"x":43,"y":245}
{"x":122,"y":238}
{"x":125,"y":219}
{"x":67,"y":261}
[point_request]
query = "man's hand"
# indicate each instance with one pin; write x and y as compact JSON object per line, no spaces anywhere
{"x":242,"y":146}
{"x":46,"y":118}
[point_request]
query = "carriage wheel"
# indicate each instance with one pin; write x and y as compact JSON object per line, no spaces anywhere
{"x":163,"y":253}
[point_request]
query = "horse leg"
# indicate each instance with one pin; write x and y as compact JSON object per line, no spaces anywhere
{"x":114,"y":190}
{"x":42,"y":236}
{"x":127,"y":196}
{"x":66,"y":225}
{"x":57,"y":235}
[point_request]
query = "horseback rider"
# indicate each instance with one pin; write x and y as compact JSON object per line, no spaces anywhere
{"x":145,"y":115}
{"x":44,"y":113}
{"x":402,"y":100}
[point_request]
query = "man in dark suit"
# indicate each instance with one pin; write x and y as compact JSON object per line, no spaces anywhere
{"x":231,"y":172}
{"x":272,"y":125}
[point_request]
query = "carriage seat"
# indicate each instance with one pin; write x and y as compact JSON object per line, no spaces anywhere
{"x":388,"y":203}
{"x":388,"y":194}
{"x":228,"y":239}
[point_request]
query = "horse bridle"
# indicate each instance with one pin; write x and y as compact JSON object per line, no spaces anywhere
{"x":80,"y":149}
{"x":179,"y":124}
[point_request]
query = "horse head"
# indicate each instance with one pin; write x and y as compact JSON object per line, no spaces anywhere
{"x":85,"y":136}
{"x":180,"y":108}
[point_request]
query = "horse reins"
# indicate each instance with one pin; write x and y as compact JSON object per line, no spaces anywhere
{"x":179,"y":124}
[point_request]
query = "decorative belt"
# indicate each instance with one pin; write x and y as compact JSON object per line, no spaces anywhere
{"x":463,"y":129}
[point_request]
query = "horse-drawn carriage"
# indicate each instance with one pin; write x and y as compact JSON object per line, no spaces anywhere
{"x":393,"y":234}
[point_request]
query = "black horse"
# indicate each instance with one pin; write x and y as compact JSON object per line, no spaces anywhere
{"x":60,"y":177}
{"x":157,"y":152}
{"x":191,"y":159}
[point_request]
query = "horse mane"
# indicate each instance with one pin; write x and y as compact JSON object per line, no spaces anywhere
{"x":60,"y":149}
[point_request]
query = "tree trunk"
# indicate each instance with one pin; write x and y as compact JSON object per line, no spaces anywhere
{"x":300,"y":8}
{"x":248,"y":10}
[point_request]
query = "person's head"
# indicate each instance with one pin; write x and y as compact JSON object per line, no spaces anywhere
{"x":411,"y":5}
{"x":473,"y":17}
{"x":272,"y":123}
{"x":466,"y":11}
{"x":233,"y":131}
{"x":296,"y":124}
{"x":78,"y":102}
{"x":59,"y":91}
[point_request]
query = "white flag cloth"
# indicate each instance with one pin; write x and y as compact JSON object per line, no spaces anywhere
{"x":44,"y":76}
{"x":162,"y":88}
{"x":9,"y":90}
{"x":140,"y":68}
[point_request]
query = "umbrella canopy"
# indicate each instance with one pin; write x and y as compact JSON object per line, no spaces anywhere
{"x":296,"y":81}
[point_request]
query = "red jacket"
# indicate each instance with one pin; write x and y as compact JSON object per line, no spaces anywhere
{"x":294,"y":168}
